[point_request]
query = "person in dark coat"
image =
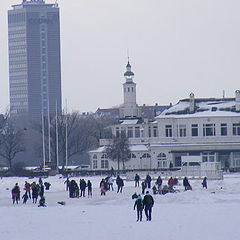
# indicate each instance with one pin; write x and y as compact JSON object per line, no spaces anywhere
{"x":186,"y":183}
{"x":25,"y":198}
{"x":137,"y":179}
{"x":47,"y":185}
{"x":42,"y":202}
{"x":83,"y":186}
{"x":148,"y":181}
{"x":73,"y":189}
{"x":139,"y":205}
{"x":144,"y":186}
{"x":35,"y":192}
{"x":89,"y":186}
{"x":159,"y":183}
{"x":41,"y":190}
{"x":204,"y":183}
{"x":16,"y":193}
{"x":148,"y":203}
{"x":120,"y":184}
{"x":67,"y":182}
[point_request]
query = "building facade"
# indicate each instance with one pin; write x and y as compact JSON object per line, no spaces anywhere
{"x":34,"y":59}
{"x":208,"y":128}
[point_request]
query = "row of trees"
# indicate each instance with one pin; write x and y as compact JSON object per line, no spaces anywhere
{"x":82,"y":133}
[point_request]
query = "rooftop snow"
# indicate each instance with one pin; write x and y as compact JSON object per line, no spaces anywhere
{"x":203,"y":108}
{"x":129,"y":121}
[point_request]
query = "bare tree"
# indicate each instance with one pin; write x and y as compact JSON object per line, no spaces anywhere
{"x":83,"y":134}
{"x":11,"y":142}
{"x":119,"y":150}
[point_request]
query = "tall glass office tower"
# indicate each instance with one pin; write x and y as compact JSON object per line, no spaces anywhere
{"x":34,"y":59}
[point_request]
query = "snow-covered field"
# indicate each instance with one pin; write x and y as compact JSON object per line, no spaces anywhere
{"x":193,"y":215}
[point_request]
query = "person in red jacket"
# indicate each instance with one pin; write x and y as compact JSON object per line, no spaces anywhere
{"x":170,"y":183}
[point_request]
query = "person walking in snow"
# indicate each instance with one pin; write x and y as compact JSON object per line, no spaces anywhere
{"x":35,"y":192}
{"x":16,"y":193}
{"x":67,"y":182}
{"x":204,"y":183}
{"x":139,"y":205}
{"x":137,"y":179}
{"x":103,"y":187}
{"x":25,"y":198}
{"x":110,"y":183}
{"x":82,"y":186}
{"x":159,"y":183}
{"x":186,"y":183}
{"x":120,"y":184}
{"x":27,"y":188}
{"x":148,"y":203}
{"x":148,"y":181}
{"x":144,"y":186}
{"x":89,"y":186}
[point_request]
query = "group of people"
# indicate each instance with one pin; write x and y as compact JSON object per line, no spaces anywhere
{"x":32,"y":191}
{"x":146,"y":203}
{"x":158,"y":187}
{"x":76,"y":191}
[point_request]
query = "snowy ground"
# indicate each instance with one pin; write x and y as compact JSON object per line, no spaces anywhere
{"x":192,"y":215}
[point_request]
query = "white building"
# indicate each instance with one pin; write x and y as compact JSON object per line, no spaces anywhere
{"x":205,"y":127}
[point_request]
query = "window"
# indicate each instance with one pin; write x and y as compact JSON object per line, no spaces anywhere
{"x":168,"y":130}
{"x":223,"y":129}
{"x":131,"y":155}
{"x":137,"y":132}
{"x":94,"y":164}
{"x":155,"y":131}
{"x":149,"y":132}
{"x":146,"y":155}
{"x":123,"y":131}
{"x":104,"y":155}
{"x":130,"y":132}
{"x":194,"y":130}
{"x":162,"y":160}
{"x":181,"y":130}
{"x":117,"y":132}
{"x":209,"y":129}
{"x":104,"y":163}
{"x":95,"y":156}
{"x":208,"y":157}
{"x":236,"y":129}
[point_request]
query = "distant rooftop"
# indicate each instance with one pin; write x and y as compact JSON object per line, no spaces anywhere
{"x":33,"y":3}
{"x":202,"y":107}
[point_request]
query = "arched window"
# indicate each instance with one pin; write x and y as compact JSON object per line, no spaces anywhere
{"x":131,"y":155}
{"x":104,"y":155}
{"x":95,"y":156}
{"x":161,"y":157}
{"x":146,"y":155}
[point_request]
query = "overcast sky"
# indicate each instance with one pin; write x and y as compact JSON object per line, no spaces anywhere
{"x":176,"y":47}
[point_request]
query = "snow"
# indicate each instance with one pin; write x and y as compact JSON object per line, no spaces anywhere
{"x":129,"y":121}
{"x":99,"y":150}
{"x":204,"y":109}
{"x":193,"y":215}
{"x":202,"y":114}
{"x":138,"y":148}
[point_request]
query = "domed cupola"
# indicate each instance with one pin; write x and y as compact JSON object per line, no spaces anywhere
{"x":129,"y":75}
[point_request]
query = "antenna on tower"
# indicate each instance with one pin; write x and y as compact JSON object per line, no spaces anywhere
{"x":128,"y":54}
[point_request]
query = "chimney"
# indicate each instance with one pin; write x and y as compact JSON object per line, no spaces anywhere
{"x":237,"y":100}
{"x":192,"y":103}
